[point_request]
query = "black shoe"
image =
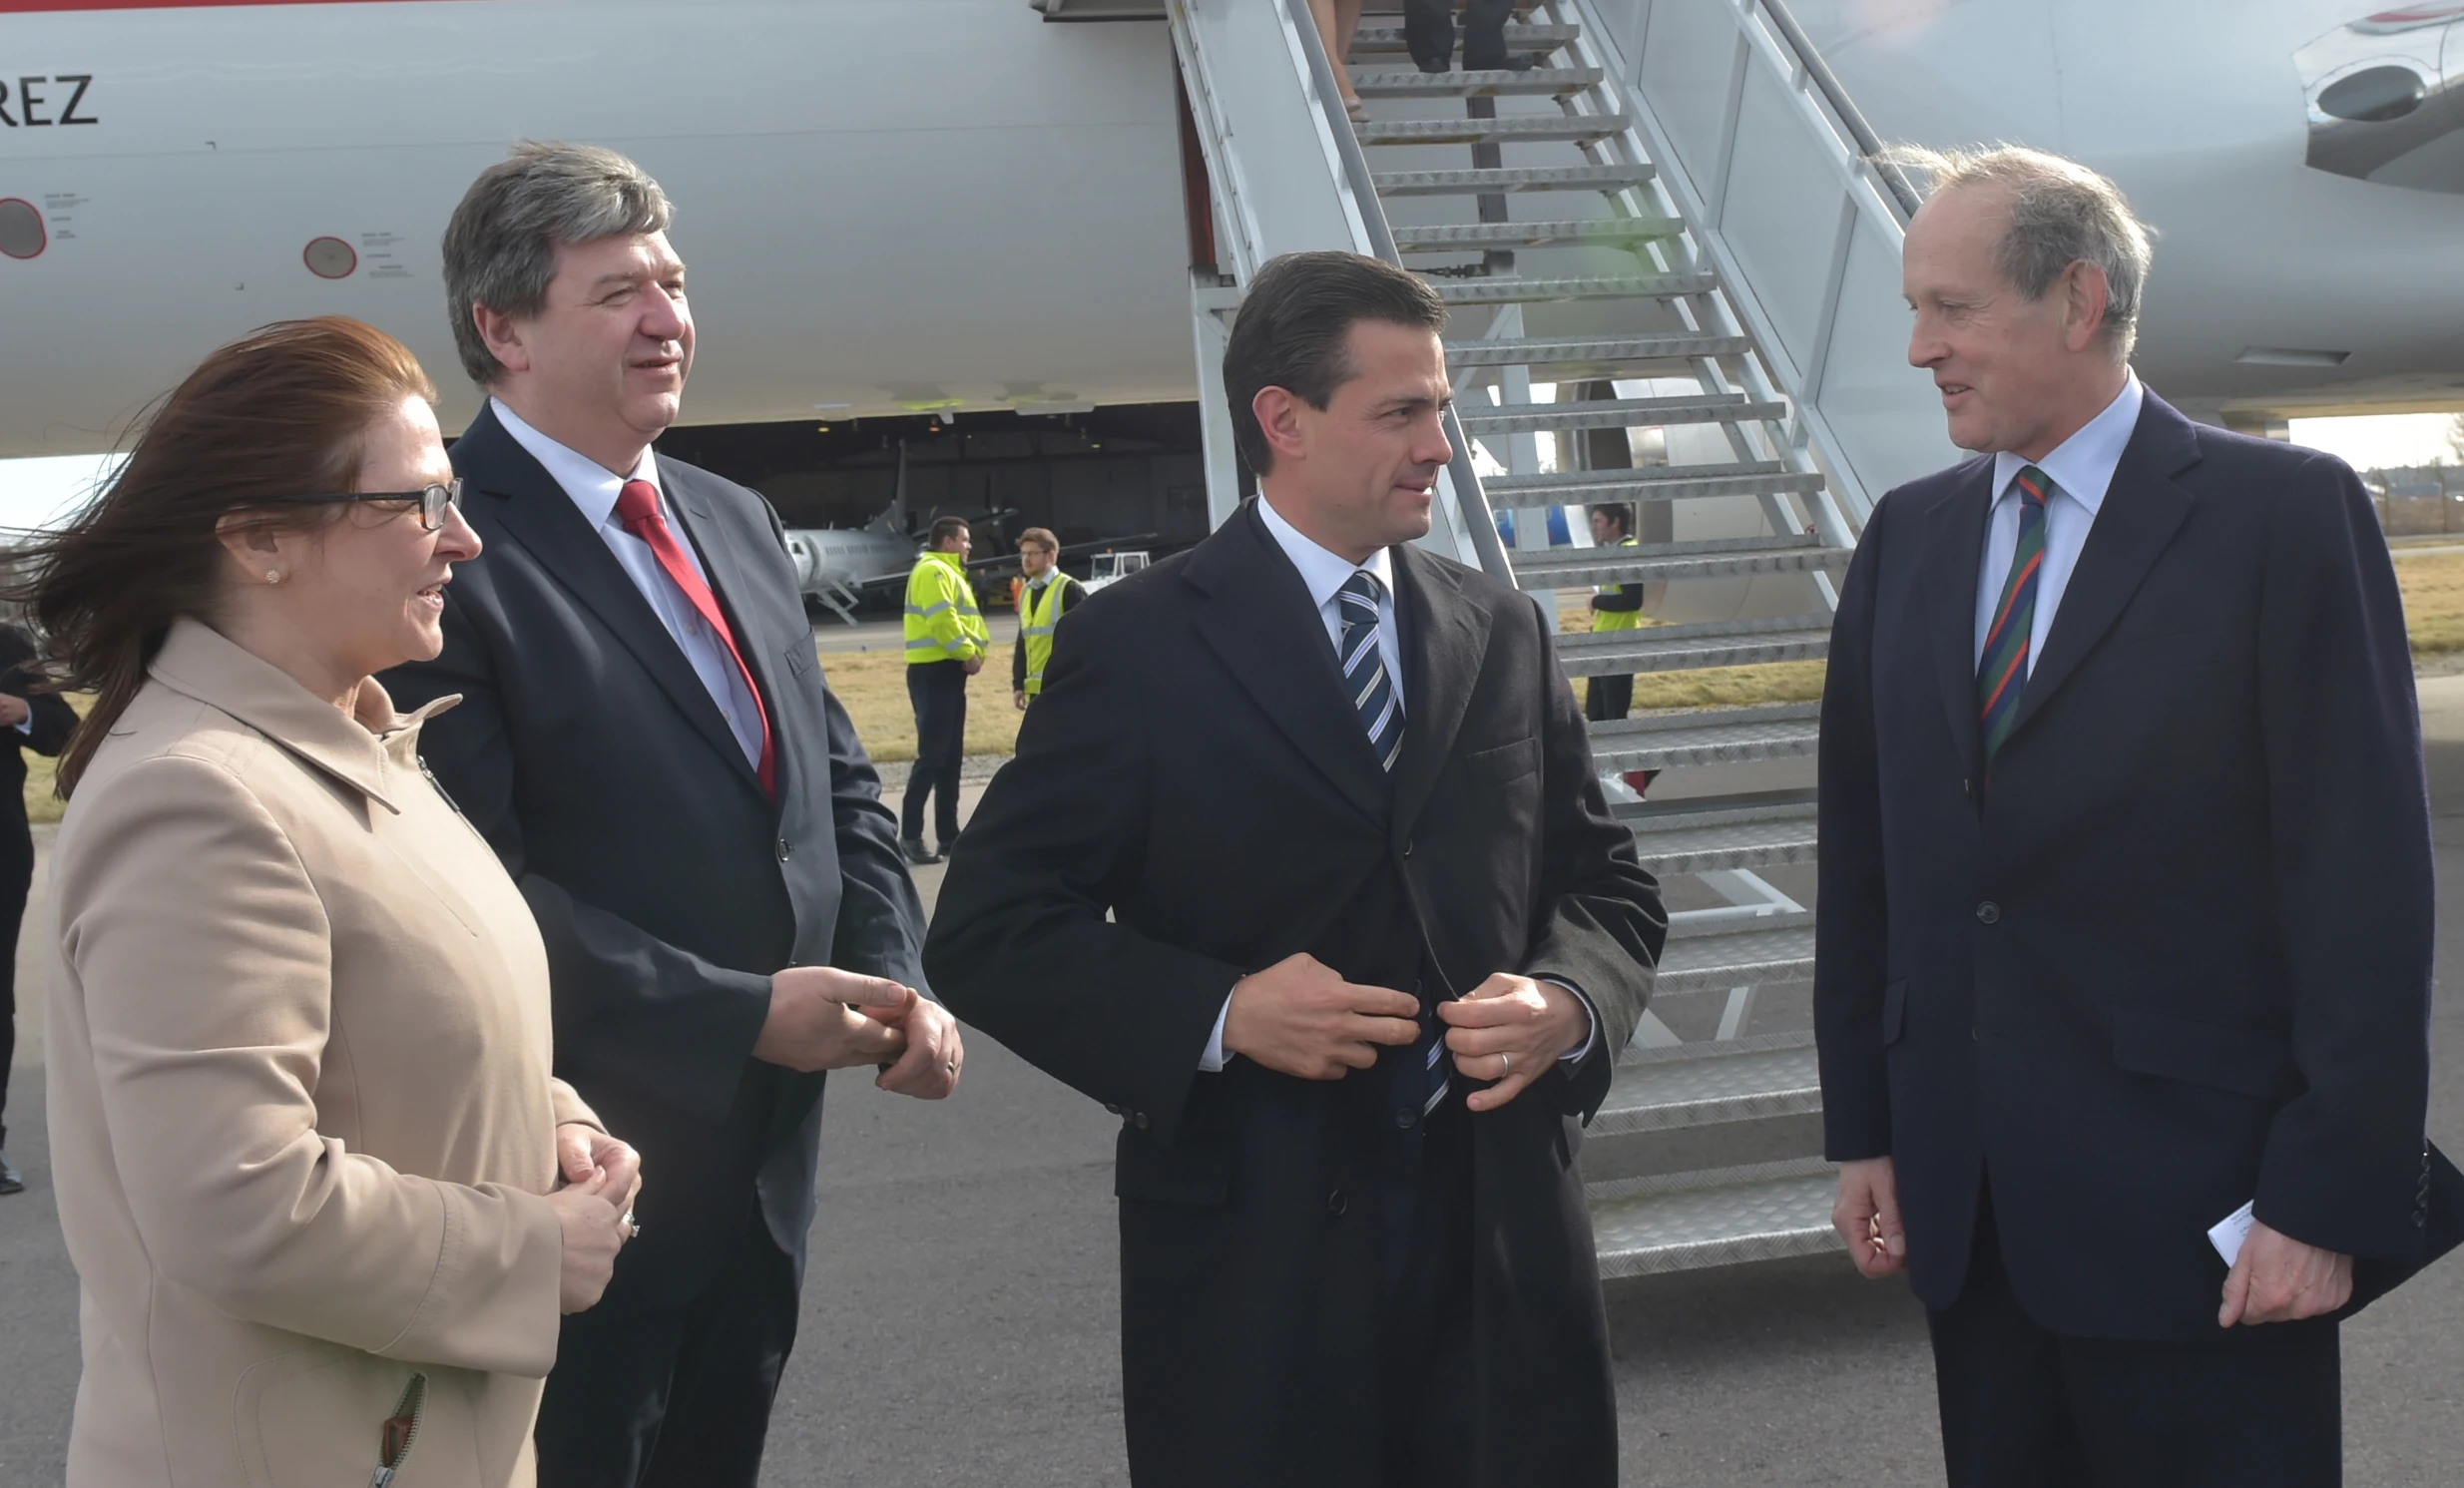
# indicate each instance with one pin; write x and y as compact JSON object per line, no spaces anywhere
{"x":917,"y":854}
{"x":10,"y":1183}
{"x":1442,"y":64}
{"x":1518,"y":62}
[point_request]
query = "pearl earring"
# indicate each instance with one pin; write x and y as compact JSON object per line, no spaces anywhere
{"x":274,"y":576}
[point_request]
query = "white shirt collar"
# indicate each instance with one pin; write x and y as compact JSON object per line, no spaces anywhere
{"x":593,"y":487}
{"x":2082,"y":466}
{"x":1324,"y":572}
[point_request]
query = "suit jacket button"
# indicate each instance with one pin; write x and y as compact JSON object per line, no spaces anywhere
{"x":1405,"y":1117}
{"x":1407,"y":848}
{"x":1988,"y":912}
{"x":786,"y":850}
{"x":1108,"y":1106}
{"x":1138,"y":1119}
{"x":1335,"y":1204}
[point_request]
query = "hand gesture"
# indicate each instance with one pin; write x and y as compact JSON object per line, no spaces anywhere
{"x":585,"y":1155}
{"x":2276,"y":1279}
{"x":1301,"y":1018}
{"x":1866,"y":1215}
{"x":594,"y":1230}
{"x":935,"y":1054}
{"x":1511,"y":1029}
{"x":15,"y":709}
{"x":821,"y":1018}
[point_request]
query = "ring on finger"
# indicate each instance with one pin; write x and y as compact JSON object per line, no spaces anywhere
{"x":633,"y":1226}
{"x":1505,"y":1062}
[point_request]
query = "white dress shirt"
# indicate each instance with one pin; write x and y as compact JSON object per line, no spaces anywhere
{"x":2081,"y":469}
{"x":1324,"y":572}
{"x":594,"y":489}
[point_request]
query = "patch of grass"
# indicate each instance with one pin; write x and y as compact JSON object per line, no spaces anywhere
{"x":872,"y":687}
{"x":2433,"y":585}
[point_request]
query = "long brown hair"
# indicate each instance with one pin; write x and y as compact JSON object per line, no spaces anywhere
{"x":279,"y":413}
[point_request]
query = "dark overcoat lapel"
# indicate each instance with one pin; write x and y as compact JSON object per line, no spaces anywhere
{"x":536,"y":513}
{"x":1255,"y":614}
{"x":1444,"y":639}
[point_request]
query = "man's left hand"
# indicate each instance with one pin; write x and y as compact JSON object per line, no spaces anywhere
{"x":1511,"y":1029}
{"x":584,"y":1153}
{"x":935,"y":1054}
{"x":2278,"y":1278}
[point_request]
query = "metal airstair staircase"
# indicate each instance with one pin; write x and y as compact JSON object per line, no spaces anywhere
{"x":1601,"y":252}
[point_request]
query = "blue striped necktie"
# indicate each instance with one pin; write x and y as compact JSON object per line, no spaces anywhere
{"x":2002,"y":673}
{"x":1381,"y":714}
{"x":1364,"y":669}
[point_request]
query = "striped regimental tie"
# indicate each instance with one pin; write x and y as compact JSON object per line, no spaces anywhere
{"x":1381,"y":714}
{"x":2002,"y":674}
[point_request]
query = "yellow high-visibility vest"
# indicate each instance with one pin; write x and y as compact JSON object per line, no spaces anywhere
{"x":1039,"y":610}
{"x":943,"y":622}
{"x":1618,"y":620}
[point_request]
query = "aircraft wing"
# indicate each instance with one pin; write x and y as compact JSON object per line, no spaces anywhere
{"x":1105,"y":544}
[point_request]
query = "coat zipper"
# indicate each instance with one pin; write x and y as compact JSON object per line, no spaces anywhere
{"x":394,"y":1444}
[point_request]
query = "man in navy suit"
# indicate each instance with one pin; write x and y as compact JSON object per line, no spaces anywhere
{"x":2125,"y":892}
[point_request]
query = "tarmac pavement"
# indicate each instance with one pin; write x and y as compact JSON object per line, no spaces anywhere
{"x":961,"y":1313}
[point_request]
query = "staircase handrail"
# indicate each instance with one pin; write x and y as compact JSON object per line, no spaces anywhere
{"x":1851,"y":119}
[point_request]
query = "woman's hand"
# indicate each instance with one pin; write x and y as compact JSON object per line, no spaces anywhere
{"x":594,"y":1233}
{"x":585,"y":1152}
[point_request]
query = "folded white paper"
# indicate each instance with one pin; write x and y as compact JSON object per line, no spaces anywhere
{"x":2227,"y":1234}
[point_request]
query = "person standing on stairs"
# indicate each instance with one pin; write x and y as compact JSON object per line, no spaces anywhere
{"x":1428,"y":33}
{"x":1338,"y":21}
{"x":2121,"y":982}
{"x":1302,"y":870}
{"x":28,"y":720}
{"x":1044,"y":596}
{"x":946,"y":643}
{"x":1616,"y":607}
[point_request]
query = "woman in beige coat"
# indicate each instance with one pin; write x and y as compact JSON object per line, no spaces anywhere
{"x":306,"y":1143}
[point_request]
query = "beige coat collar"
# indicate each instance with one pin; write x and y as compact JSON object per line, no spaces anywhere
{"x":367,"y":753}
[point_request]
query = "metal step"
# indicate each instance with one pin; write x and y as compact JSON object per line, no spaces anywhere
{"x":1679,"y":648}
{"x":1495,"y":181}
{"x":1698,"y":1085}
{"x":1518,"y":128}
{"x":1708,"y":736}
{"x":1545,"y":82}
{"x":1690,"y":1221}
{"x":1721,"y":834}
{"x":1533,"y":37}
{"x":1590,"y":351}
{"x":1510,"y":290}
{"x":1649,"y":483}
{"x":1711,"y":955}
{"x":1617,"y":413}
{"x":1652,"y":563}
{"x":1467,"y":236}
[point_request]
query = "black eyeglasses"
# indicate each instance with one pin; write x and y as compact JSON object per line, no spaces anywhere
{"x":432,"y":501}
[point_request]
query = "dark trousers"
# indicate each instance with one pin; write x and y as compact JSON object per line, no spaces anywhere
{"x":2023,"y":1407}
{"x":1425,"y":1369}
{"x":16,"y":877}
{"x":1428,"y":32}
{"x":672,"y":1397}
{"x":1607,"y":699}
{"x":938,"y":690}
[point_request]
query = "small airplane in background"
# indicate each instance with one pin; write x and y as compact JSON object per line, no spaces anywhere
{"x":838,"y":568}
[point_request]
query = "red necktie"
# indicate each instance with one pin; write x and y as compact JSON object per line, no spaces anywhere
{"x":637,"y":506}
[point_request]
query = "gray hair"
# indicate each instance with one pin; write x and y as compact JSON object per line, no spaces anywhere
{"x":500,"y":248}
{"x":2062,"y":214}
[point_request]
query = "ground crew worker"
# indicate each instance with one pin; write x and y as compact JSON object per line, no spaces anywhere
{"x":1045,"y":593}
{"x":1616,"y":607}
{"x":946,"y":641}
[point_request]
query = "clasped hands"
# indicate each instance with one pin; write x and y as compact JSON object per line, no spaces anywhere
{"x":1299,"y":1017}
{"x":2275,"y":1278}
{"x":821,"y":1018}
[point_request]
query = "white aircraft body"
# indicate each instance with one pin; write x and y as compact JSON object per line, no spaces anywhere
{"x":953,"y":204}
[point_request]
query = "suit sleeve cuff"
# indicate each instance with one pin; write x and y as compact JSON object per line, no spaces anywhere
{"x":1590,"y":1033}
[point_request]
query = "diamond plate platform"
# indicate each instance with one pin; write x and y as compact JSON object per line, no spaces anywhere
{"x":1618,"y":413}
{"x":1459,"y":238}
{"x":1652,"y":483}
{"x":1688,"y":1222}
{"x":1737,"y":953}
{"x":1540,"y":82}
{"x":1694,"y":1085}
{"x":1754,"y":832}
{"x":1533,"y":37}
{"x":1564,"y":568}
{"x":1678,"y":648}
{"x":1515,"y":129}
{"x":1589,"y":351}
{"x":1509,"y":291}
{"x":1708,"y":736}
{"x":1495,"y":179}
